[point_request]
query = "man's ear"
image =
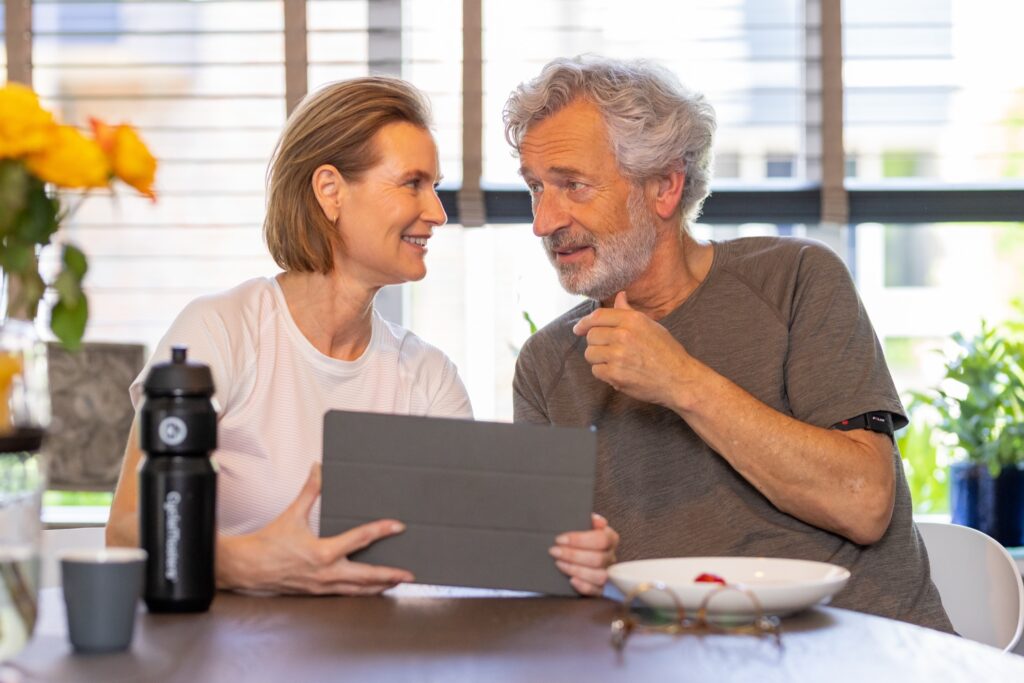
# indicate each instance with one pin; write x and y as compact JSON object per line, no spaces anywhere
{"x":669,"y":193}
{"x":327,"y":187}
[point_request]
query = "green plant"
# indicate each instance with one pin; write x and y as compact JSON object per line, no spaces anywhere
{"x":529,"y":321}
{"x":927,"y":477}
{"x":980,"y":401}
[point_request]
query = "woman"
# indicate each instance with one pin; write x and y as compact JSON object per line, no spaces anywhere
{"x":351,"y":206}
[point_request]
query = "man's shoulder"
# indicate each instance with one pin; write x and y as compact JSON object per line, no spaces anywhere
{"x":779,"y":264}
{"x":771,"y":251}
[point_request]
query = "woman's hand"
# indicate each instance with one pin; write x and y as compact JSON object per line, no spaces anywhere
{"x":286,"y":557}
{"x":584,"y":556}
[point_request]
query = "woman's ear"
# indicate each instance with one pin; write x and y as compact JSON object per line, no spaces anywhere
{"x":327,"y":187}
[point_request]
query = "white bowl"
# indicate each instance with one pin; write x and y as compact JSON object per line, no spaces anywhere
{"x":782,"y":586}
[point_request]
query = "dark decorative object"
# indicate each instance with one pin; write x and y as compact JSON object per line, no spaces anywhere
{"x":980,"y":405}
{"x":994,"y":505}
{"x":92,"y":413}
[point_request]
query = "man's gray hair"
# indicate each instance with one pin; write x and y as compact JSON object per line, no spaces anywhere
{"x":655,"y":124}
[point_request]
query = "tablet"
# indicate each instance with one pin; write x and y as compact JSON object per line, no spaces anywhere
{"x":482,"y":501}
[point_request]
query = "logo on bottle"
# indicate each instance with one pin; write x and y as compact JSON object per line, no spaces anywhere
{"x":172,"y":430}
{"x":173,"y":535}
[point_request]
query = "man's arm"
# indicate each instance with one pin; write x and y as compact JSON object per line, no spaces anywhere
{"x":839,"y":481}
{"x":526,"y":399}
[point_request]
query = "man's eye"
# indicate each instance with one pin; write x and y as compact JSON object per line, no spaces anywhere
{"x":414,"y":184}
{"x":534,"y":188}
{"x":573,"y":186}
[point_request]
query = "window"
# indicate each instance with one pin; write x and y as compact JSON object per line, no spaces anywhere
{"x":932,"y":126}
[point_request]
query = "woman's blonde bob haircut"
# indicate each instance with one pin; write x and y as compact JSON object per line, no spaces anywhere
{"x":334,"y":125}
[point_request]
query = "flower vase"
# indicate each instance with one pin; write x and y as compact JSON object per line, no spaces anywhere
{"x":24,"y":416}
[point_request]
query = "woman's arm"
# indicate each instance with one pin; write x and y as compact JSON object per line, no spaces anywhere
{"x":123,"y":523}
{"x":284,"y":556}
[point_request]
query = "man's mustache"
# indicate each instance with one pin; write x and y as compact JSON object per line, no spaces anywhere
{"x":564,"y":239}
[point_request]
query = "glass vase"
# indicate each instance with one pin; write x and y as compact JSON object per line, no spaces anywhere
{"x":24,"y":417}
{"x":22,"y":482}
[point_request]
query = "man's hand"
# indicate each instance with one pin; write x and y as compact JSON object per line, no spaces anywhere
{"x":632,"y":353}
{"x":584,"y":556}
{"x":286,"y":557}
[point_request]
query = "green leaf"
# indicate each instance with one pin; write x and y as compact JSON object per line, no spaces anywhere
{"x":69,"y":287}
{"x":68,"y":322}
{"x":13,"y":190}
{"x":75,"y":261}
{"x":39,"y":220}
{"x":15,"y":256}
{"x":529,"y":320}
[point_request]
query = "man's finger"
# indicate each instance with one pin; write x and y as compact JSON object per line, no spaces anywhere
{"x":601,"y":336}
{"x":585,"y":558}
{"x":583,"y":586}
{"x":621,"y":302}
{"x":598,"y":539}
{"x":597,"y":354}
{"x":602,"y":317}
{"x":588,"y":574}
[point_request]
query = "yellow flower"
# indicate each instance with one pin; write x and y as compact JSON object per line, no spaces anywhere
{"x":72,"y":161}
{"x":25,"y":127}
{"x":10,"y":365}
{"x":128,"y":155}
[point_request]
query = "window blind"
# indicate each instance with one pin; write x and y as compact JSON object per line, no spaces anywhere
{"x":932,"y":93}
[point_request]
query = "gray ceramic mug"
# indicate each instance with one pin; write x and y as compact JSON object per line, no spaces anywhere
{"x":101,"y":592}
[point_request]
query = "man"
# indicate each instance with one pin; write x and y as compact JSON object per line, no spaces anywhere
{"x":742,"y":401}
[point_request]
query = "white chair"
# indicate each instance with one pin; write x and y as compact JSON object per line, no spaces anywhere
{"x":979,"y":583}
{"x":56,"y":541}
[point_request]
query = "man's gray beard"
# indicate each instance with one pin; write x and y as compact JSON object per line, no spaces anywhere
{"x":619,"y":259}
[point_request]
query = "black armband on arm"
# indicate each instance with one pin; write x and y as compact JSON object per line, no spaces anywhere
{"x":878,"y":421}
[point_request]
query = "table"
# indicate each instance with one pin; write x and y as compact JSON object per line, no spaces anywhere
{"x":432,"y":634}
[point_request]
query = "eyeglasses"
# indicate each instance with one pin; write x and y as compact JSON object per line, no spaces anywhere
{"x":653,"y":620}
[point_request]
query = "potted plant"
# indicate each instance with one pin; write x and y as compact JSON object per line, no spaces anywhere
{"x":980,"y":412}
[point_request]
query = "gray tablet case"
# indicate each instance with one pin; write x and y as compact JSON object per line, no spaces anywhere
{"x":482,"y":501}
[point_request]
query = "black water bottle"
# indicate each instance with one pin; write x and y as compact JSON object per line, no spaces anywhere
{"x":178,"y":485}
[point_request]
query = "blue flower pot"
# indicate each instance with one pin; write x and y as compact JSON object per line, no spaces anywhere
{"x":992,"y":505}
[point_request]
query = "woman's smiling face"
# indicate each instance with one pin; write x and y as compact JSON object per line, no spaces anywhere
{"x":386,"y":217}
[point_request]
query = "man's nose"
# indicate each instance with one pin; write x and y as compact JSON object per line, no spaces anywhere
{"x":549,"y":214}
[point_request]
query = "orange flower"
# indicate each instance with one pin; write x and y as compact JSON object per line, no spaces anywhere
{"x":129,"y":157}
{"x":25,"y":127}
{"x":73,"y":161}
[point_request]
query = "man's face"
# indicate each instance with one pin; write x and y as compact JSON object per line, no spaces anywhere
{"x":597,"y":228}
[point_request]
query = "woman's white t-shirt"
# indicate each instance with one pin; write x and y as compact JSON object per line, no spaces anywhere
{"x":273,"y":388}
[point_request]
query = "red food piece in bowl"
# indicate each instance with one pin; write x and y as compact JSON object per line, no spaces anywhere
{"x":709,"y":578}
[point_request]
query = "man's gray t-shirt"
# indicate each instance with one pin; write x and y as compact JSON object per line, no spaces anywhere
{"x":780,"y":317}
